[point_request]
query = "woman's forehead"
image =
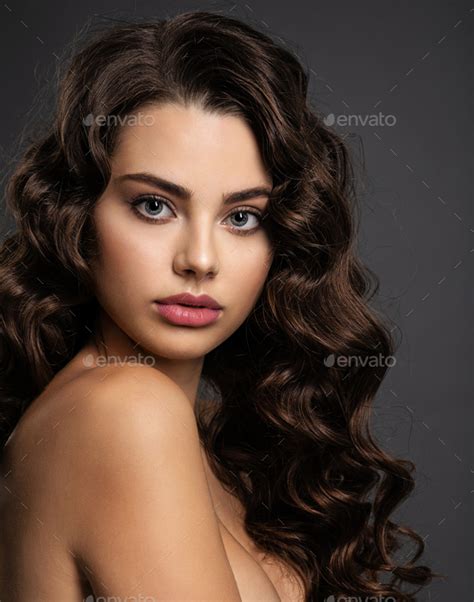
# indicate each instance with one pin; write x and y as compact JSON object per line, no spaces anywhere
{"x":191,"y":145}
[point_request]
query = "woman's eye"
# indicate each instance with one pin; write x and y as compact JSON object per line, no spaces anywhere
{"x":152,"y":207}
{"x":242,"y":218}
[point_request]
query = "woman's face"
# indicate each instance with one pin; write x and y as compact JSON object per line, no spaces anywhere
{"x":170,"y":242}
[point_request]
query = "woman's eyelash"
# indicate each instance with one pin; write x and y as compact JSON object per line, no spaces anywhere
{"x":147,"y":197}
{"x":143,"y":198}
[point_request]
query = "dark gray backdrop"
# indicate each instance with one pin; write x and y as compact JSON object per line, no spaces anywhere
{"x":394,"y":80}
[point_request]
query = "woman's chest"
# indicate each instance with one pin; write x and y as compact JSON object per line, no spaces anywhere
{"x":258,"y":577}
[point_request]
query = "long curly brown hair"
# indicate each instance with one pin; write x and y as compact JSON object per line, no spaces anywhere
{"x":290,"y":436}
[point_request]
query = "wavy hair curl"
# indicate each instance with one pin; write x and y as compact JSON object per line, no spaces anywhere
{"x":290,"y":436}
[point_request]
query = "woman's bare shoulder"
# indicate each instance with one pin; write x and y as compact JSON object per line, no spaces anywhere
{"x":101,"y":406}
{"x":128,"y":395}
{"x":115,"y":383}
{"x":137,"y":455}
{"x":90,"y":392}
{"x":113,"y":408}
{"x":124,"y":486}
{"x":102,"y":379}
{"x":123,"y":410}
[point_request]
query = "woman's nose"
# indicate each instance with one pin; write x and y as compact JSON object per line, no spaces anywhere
{"x":197,"y":252}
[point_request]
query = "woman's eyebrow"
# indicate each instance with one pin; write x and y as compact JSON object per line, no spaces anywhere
{"x":185,"y":193}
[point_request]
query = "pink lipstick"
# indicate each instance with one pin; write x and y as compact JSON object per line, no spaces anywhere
{"x":186,"y":309}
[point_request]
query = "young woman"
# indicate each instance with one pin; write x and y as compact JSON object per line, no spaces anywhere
{"x":185,"y":167}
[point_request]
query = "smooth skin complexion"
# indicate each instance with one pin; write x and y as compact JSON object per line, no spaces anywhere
{"x":199,"y":244}
{"x":110,"y":490}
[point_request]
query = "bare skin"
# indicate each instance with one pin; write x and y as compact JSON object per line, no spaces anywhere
{"x":41,"y":532}
{"x":106,"y":488}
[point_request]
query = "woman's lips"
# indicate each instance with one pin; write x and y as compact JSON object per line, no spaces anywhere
{"x":185,"y":315}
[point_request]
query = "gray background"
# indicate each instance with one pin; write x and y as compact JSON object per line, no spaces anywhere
{"x":409,"y":62}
